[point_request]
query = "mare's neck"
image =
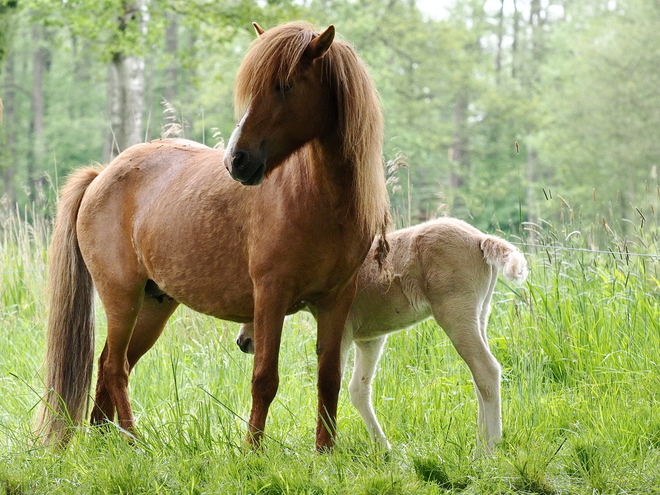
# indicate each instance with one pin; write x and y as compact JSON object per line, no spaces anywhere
{"x":318,"y":177}
{"x":328,"y":167}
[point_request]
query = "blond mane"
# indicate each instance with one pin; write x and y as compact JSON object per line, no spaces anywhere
{"x":274,"y":58}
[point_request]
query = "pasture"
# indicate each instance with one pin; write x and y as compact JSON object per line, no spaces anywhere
{"x":579,"y":345}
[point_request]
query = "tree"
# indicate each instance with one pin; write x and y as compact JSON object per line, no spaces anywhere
{"x":599,"y":97}
{"x":423,"y":70}
{"x":126,"y":81}
{"x":51,"y":56}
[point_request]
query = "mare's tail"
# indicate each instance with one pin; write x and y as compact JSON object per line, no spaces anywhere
{"x":505,"y":257}
{"x":70,"y":346}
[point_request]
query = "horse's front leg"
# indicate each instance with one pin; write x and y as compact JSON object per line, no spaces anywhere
{"x":331,"y":322}
{"x":269,"y":312}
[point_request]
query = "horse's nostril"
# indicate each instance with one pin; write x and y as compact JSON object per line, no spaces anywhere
{"x":239,"y":159}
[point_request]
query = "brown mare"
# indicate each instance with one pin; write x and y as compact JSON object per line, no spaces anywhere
{"x":164,"y":224}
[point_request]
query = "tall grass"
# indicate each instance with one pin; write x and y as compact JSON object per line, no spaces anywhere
{"x":579,"y":346}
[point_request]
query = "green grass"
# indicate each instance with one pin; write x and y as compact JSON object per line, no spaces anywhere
{"x":579,"y":346}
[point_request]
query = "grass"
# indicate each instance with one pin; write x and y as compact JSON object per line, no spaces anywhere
{"x":581,"y":394}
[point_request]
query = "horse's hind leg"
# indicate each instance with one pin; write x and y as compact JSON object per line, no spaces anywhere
{"x":367,"y":354}
{"x":104,"y":409}
{"x":122,"y":305}
{"x":150,"y":324}
{"x":146,"y":329}
{"x":460,"y":317}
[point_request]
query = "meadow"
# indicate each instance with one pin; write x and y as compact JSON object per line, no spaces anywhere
{"x":578,"y":343}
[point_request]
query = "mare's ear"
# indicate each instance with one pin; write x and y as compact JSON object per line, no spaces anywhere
{"x":321,"y":44}
{"x":258,"y":29}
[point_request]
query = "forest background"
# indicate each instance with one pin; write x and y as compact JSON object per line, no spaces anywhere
{"x":496,"y":111}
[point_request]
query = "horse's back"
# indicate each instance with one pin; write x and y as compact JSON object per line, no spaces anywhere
{"x":149,"y":168}
{"x":148,"y":175}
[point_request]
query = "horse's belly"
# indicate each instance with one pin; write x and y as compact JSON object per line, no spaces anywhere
{"x":221,"y":291}
{"x":239,"y":308}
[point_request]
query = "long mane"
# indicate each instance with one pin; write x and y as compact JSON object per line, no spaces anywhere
{"x":274,"y":57}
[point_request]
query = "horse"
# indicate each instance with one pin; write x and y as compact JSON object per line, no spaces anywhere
{"x":283,"y":217}
{"x":443,"y":268}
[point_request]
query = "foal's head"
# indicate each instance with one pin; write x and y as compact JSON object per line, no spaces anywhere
{"x":283,"y":98}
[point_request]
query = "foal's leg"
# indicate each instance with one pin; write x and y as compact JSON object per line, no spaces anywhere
{"x":460,"y":317}
{"x":484,"y":308}
{"x":487,"y":421}
{"x":367,"y":354}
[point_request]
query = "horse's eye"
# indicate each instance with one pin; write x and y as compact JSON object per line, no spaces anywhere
{"x":283,"y":87}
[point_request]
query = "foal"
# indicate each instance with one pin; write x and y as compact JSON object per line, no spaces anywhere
{"x":444,"y":268}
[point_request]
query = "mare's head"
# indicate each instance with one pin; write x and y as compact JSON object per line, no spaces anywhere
{"x":282,"y":99}
{"x":295,"y":86}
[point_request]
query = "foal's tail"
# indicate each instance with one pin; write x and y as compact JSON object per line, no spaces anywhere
{"x":505,"y":257}
{"x":70,"y":347}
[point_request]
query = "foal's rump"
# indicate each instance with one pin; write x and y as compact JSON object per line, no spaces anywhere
{"x":459,"y":244}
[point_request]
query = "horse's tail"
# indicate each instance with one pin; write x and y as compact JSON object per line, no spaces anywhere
{"x":505,"y":257}
{"x":70,"y":346}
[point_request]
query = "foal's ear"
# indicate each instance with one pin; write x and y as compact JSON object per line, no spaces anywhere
{"x":321,"y":44}
{"x":258,"y":29}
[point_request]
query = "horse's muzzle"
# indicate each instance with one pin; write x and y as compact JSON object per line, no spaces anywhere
{"x":246,"y":168}
{"x":245,"y":344}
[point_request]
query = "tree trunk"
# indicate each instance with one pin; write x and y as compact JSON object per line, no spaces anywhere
{"x":500,"y":42}
{"x":532,"y":193}
{"x":126,"y":95}
{"x":458,"y":153}
{"x":128,"y":72}
{"x":171,"y":47}
{"x":38,"y":152}
{"x":126,"y":87}
{"x":536,"y":24}
{"x":515,"y":41}
{"x":8,"y":131}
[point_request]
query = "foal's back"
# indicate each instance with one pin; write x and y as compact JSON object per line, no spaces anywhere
{"x":431,"y":263}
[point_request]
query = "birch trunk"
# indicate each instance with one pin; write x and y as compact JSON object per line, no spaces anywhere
{"x":126,"y":85}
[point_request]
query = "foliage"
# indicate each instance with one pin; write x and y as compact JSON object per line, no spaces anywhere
{"x":489,"y":105}
{"x":600,"y":109}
